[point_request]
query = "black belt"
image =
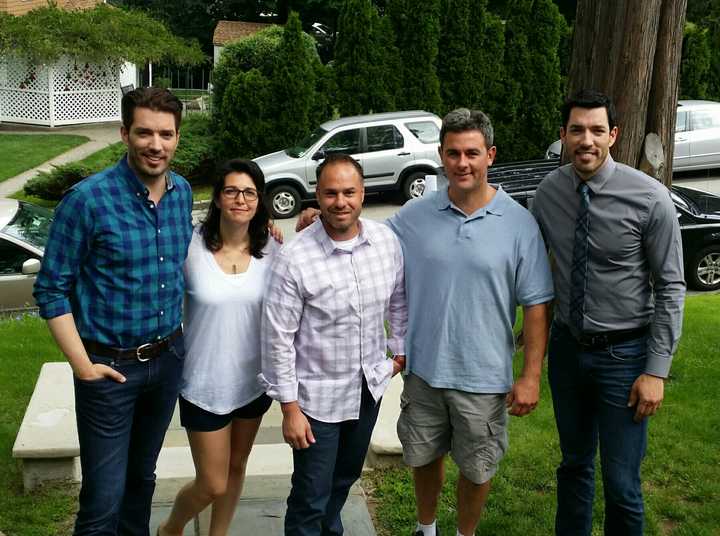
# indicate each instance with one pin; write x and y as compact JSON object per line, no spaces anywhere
{"x":607,"y":338}
{"x":144,"y":352}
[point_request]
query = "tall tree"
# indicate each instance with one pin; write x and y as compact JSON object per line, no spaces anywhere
{"x":417,"y":31}
{"x":643,"y":83}
{"x":293,"y":83}
{"x":533,"y":30}
{"x":454,"y":52}
{"x":358,"y":62}
{"x":695,"y":62}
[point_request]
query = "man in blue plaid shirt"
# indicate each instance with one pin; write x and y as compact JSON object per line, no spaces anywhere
{"x":111,"y":289}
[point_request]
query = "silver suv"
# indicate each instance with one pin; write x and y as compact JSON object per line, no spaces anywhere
{"x":396,"y":151}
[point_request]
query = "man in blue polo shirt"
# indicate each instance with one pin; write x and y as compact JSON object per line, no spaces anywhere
{"x":472,"y":255}
{"x":111,"y":289}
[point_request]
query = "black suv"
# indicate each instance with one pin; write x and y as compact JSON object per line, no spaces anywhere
{"x":698,"y":213}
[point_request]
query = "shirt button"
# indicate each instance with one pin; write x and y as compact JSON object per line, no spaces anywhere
{"x":158,"y":231}
{"x":162,"y":313}
{"x":158,"y":337}
{"x":162,"y":285}
{"x":162,"y":259}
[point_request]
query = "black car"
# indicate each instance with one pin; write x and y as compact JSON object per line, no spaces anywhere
{"x":698,"y":213}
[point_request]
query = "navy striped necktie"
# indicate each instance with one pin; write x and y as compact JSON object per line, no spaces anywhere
{"x":578,"y":272}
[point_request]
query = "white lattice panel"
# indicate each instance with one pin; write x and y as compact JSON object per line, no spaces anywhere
{"x":99,"y":105}
{"x":79,"y":92}
{"x":25,"y":106}
{"x":75,"y":75}
{"x":22,"y":75}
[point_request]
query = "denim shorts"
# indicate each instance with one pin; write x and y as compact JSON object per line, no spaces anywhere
{"x":472,"y":427}
{"x":197,"y":419}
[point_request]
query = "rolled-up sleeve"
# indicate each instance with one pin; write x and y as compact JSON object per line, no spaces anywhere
{"x":663,"y":248}
{"x":533,"y":278}
{"x":282,"y":312}
{"x":66,"y":249}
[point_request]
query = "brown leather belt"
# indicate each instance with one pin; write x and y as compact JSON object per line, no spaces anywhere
{"x":144,"y":352}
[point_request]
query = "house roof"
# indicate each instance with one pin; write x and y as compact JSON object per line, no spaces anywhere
{"x":227,"y":31}
{"x":20,"y":7}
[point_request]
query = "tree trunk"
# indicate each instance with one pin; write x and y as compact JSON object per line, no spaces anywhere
{"x":630,"y":50}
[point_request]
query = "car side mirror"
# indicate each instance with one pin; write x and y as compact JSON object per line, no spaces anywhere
{"x":31,"y":266}
{"x":320,"y":155}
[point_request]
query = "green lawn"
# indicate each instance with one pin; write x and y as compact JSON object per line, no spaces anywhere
{"x":681,"y":473}
{"x":25,"y":151}
{"x":24,"y":346}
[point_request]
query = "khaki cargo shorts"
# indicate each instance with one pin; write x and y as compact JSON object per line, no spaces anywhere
{"x":471,"y":427}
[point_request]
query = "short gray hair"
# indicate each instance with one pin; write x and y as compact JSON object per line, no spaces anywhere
{"x":463,"y":119}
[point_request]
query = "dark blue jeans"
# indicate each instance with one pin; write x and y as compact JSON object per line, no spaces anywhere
{"x":324,"y":472}
{"x":590,"y":391}
{"x":121,"y":427}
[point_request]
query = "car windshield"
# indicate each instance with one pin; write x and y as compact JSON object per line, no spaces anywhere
{"x":299,"y":150}
{"x":30,"y":224}
{"x":699,"y":202}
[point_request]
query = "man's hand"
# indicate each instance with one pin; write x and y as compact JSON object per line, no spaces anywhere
{"x":275,"y":232}
{"x":524,"y":396}
{"x":296,"y":428}
{"x":97,"y":371}
{"x":398,"y":364}
{"x":306,"y":217}
{"x":646,"y":395}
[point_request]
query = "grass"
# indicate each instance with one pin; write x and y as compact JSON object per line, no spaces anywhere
{"x":681,"y":473}
{"x":25,"y":151}
{"x":25,"y":344}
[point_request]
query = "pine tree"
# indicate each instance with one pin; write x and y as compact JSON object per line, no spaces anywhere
{"x":293,"y":84}
{"x":454,"y":53}
{"x":532,"y":81}
{"x":353,"y":50}
{"x":417,"y":31}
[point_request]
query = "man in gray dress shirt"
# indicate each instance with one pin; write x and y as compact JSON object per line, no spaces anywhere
{"x":619,"y":291}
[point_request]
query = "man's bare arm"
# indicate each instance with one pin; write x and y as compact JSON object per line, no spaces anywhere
{"x":65,"y":333}
{"x":306,"y":217}
{"x":525,"y":393}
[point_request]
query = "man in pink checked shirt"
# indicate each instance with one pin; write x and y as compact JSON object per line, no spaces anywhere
{"x":324,"y":345}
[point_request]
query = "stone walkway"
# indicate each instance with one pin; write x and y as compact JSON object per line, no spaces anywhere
{"x":101,"y":135}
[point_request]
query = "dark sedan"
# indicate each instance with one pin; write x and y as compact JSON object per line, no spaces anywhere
{"x":699,"y":216}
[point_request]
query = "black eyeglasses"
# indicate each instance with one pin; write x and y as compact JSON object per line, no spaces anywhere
{"x":249,"y":194}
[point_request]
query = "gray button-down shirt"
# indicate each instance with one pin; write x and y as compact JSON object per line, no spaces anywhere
{"x":635,"y":264}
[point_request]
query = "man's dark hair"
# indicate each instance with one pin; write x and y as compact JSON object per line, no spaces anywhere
{"x":154,"y":98}
{"x":589,"y":98}
{"x":258,"y":228}
{"x":462,"y":120}
{"x":339,"y":158}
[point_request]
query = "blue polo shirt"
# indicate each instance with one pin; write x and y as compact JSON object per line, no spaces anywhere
{"x":465,"y":276}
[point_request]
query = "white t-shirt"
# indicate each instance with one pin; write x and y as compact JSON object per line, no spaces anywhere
{"x":222,"y":329}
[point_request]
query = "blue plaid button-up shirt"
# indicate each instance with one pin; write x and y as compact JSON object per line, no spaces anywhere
{"x":114,"y":258}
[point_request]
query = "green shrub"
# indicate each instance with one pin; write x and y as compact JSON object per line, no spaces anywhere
{"x":195,"y":155}
{"x":53,"y":184}
{"x":162,"y":82}
{"x":695,"y":63}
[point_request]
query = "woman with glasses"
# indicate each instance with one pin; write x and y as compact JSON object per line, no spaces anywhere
{"x":221,"y":401}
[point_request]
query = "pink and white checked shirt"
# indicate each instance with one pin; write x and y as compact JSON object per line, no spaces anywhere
{"x":323,"y":320}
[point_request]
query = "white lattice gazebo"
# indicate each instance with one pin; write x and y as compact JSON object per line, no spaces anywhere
{"x":67,"y":92}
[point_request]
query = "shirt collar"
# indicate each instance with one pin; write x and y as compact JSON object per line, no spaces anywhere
{"x":136,"y":184}
{"x":326,"y":243}
{"x":597,"y":181}
{"x":496,"y":205}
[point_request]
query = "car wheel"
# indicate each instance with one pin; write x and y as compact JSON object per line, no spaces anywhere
{"x":705,"y":269}
{"x":284,"y":202}
{"x":414,"y":185}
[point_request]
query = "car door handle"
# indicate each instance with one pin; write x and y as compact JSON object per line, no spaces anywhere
{"x":678,"y":138}
{"x":403,"y":154}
